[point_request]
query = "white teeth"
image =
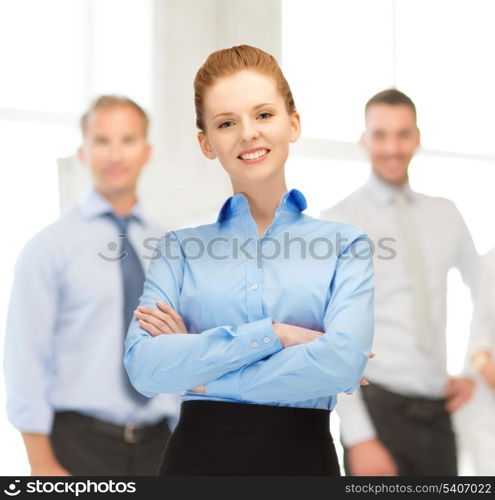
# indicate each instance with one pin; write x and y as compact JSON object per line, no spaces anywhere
{"x":255,"y":155}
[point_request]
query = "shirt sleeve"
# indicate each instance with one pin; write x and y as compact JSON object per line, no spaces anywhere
{"x":328,"y":365}
{"x":174,"y":363}
{"x":483,"y":322}
{"x":355,"y":423}
{"x":466,"y":257}
{"x":467,"y":262}
{"x":30,"y":330}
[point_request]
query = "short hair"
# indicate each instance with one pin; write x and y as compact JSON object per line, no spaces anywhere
{"x":113,"y":101}
{"x":226,"y":62}
{"x":392,"y":97}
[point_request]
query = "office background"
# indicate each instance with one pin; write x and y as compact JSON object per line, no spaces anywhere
{"x":56,"y":55}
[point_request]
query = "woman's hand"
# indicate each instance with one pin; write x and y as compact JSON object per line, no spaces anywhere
{"x":160,"y":321}
{"x":290,"y":335}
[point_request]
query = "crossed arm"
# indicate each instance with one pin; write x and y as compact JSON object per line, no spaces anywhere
{"x":261,"y":361}
{"x":163,"y":320}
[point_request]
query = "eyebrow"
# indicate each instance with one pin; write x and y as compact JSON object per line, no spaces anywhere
{"x":255,"y":108}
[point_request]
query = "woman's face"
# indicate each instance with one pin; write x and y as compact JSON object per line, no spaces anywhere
{"x":247,"y":127}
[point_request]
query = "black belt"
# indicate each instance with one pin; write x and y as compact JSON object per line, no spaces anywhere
{"x":419,"y":408}
{"x":130,"y":433}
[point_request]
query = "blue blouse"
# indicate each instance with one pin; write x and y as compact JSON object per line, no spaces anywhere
{"x":228,"y":284}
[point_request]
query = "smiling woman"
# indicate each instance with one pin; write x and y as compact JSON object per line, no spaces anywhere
{"x":246,"y":132}
{"x":261,"y":347}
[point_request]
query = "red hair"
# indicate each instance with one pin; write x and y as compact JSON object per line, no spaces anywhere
{"x":225,"y":62}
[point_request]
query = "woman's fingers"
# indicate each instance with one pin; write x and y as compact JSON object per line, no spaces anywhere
{"x":166,"y":309}
{"x":363,"y":381}
{"x":162,"y":317}
{"x":159,"y":323}
{"x":148,"y":327}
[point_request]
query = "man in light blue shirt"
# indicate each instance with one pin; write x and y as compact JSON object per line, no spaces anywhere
{"x":67,"y":391}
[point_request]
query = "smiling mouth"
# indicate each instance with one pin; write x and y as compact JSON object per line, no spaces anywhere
{"x":254,"y":156}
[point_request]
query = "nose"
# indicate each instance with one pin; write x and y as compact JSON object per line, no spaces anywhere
{"x":248,"y":131}
{"x":392,"y":146}
{"x":115,"y":153}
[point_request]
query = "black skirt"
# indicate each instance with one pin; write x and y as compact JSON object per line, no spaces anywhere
{"x":216,"y":438}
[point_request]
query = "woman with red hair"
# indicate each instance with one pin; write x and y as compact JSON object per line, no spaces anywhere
{"x":264,"y":316}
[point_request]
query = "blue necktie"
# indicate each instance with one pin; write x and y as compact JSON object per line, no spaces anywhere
{"x":132,"y":283}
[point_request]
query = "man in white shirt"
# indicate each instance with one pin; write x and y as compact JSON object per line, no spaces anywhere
{"x":400,"y":424}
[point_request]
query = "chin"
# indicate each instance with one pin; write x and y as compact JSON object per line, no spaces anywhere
{"x":250,"y":174}
{"x":117,"y":188}
{"x":394,"y":177}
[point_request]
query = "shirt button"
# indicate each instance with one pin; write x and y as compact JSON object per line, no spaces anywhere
{"x":254,"y":286}
{"x":266,"y":340}
{"x":254,"y":343}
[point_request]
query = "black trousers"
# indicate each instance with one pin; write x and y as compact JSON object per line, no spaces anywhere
{"x":89,"y":447}
{"x":233,"y":439}
{"x":416,"y":431}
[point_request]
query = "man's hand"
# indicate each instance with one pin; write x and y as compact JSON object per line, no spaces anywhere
{"x":49,"y":469}
{"x":371,"y":458}
{"x":459,"y":391}
{"x":41,"y":455}
{"x":160,"y":321}
{"x":488,"y":373}
{"x":483,"y":363}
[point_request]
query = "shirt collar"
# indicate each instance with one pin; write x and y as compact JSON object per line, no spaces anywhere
{"x":386,"y":192}
{"x":292,"y":201}
{"x":92,"y":204}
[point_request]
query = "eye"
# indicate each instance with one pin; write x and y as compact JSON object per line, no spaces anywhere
{"x":226,"y":125}
{"x":265,"y":115}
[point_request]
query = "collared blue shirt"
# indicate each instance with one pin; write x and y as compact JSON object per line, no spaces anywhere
{"x":228,"y":284}
{"x":65,"y":332}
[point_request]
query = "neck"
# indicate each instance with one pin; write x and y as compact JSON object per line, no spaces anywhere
{"x":398,"y":183}
{"x":263,"y":199}
{"x":122,"y":202}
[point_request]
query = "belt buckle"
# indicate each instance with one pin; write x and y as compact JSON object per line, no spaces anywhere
{"x":129,"y":435}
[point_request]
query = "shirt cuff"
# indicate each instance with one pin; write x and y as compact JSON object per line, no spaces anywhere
{"x":259,"y":339}
{"x":355,"y":423}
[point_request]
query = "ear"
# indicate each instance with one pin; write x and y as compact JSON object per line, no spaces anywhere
{"x":205,"y":146}
{"x":149,"y":153}
{"x":80,"y":155}
{"x":295,"y":127}
{"x":418,"y":138}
